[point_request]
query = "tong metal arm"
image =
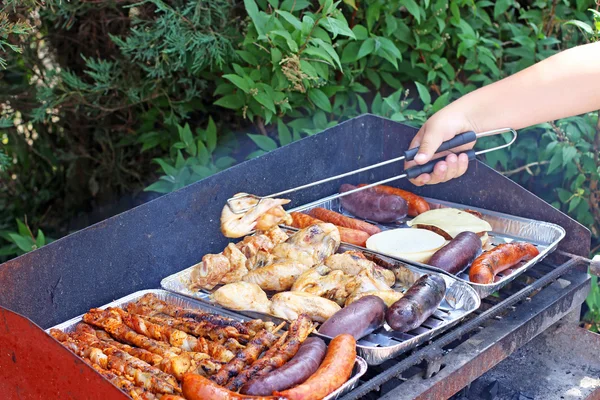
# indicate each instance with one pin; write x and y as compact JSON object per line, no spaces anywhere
{"x":408,"y":155}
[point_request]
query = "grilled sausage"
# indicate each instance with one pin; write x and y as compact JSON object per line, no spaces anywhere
{"x":358,"y":319}
{"x":378,"y":207}
{"x":341,"y":220}
{"x":416,"y":204}
{"x":502,"y":257}
{"x":197,"y":387}
{"x":419,"y":302}
{"x":456,"y":255}
{"x":352,"y":236}
{"x":297,"y":370}
{"x":333,"y":372}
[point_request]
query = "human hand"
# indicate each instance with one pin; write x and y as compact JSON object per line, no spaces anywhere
{"x":442,"y":126}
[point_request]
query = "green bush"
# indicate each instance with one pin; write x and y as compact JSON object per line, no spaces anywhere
{"x":111,"y":98}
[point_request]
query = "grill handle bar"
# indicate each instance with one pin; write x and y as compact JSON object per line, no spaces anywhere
{"x":408,"y":155}
{"x":429,"y":351}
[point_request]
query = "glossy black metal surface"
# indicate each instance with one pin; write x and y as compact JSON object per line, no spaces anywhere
{"x":134,"y":250}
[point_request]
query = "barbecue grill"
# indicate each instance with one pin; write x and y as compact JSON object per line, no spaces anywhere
{"x":135,"y":250}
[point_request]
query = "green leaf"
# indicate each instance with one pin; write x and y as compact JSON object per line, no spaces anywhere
{"x":211,"y":135}
{"x":266,"y":100}
{"x":501,"y":7}
{"x":185,"y":134}
{"x":412,"y":8}
{"x":238,"y":81}
{"x":555,"y":161}
{"x":441,"y":102}
{"x":337,"y":27}
{"x":247,"y":56}
{"x":351,"y":3}
{"x":294,"y":5}
{"x":203,"y":154}
{"x":568,"y":153}
{"x":293,"y":20}
{"x":160,"y":187}
{"x":255,"y":154}
{"x":563,"y":195}
{"x":23,"y":229}
{"x":574,"y":203}
{"x":390,"y":47}
{"x":225,"y":162}
{"x":232,"y":101}
{"x":179,"y":161}
{"x":168,"y":169}
{"x":41,"y":239}
{"x":366,"y":48}
{"x":373,"y":12}
{"x":423,"y":93}
{"x":255,"y":15}
{"x":263,"y":142}
{"x":330,"y":50}
{"x":288,"y":38}
{"x":319,"y":99}
{"x":285,"y":136}
{"x":24,"y":243}
{"x":582,"y":25}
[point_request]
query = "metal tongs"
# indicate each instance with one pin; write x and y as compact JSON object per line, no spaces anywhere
{"x":408,"y":155}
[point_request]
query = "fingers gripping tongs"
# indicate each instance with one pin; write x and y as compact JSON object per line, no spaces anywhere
{"x":408,"y":155}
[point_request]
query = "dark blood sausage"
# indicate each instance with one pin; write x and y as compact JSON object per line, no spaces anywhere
{"x":416,"y":204}
{"x":373,"y":206}
{"x":419,"y":302}
{"x":341,"y":220}
{"x":333,"y":372}
{"x":197,"y":387}
{"x":358,"y":319}
{"x":297,"y":370}
{"x":456,"y":255}
{"x":502,"y":257}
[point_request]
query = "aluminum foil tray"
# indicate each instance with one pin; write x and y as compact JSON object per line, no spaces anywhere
{"x":460,"y":300}
{"x":360,"y":366}
{"x":505,"y":229}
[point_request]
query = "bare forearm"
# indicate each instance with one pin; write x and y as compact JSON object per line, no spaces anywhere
{"x":563,"y":85}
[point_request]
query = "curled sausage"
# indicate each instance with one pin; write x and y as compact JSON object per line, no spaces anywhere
{"x":416,"y":204}
{"x":333,"y":372}
{"x":502,"y":257}
{"x":297,"y":370}
{"x":341,"y":220}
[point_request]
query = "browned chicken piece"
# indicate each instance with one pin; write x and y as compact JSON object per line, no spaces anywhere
{"x":325,"y":282}
{"x":135,"y":392}
{"x":161,"y":307}
{"x":389,"y":297}
{"x":277,"y":355}
{"x":253,"y":246}
{"x":242,"y":296}
{"x":262,"y":216}
{"x":276,"y":235}
{"x":352,"y":262}
{"x":201,"y":329}
{"x":209,"y":272}
{"x":263,"y":340}
{"x":238,"y":261}
{"x":310,"y":246}
{"x":122,"y":363}
{"x":289,"y":306}
{"x":144,"y":355}
{"x":278,"y":276}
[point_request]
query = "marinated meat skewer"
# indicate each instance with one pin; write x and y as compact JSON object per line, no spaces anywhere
{"x":118,"y":361}
{"x":264,"y":339}
{"x":144,"y":355}
{"x":176,"y":362}
{"x":278,"y":354}
{"x":162,"y":307}
{"x":136,"y":393}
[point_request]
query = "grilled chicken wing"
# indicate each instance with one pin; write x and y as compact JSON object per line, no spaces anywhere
{"x":209,"y":272}
{"x":310,"y":246}
{"x":238,"y":262}
{"x":289,"y":305}
{"x":325,"y":282}
{"x":242,"y":296}
{"x":278,"y":276}
{"x":352,"y":262}
{"x":263,"y":215}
